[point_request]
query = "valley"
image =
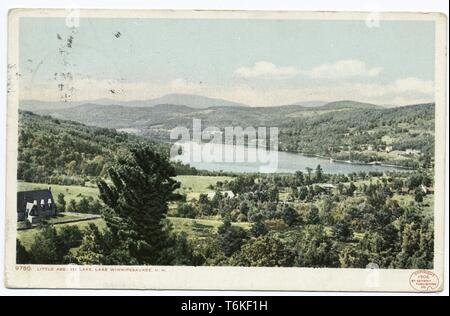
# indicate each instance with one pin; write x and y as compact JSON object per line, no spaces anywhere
{"x":311,"y":213}
{"x":343,"y":130}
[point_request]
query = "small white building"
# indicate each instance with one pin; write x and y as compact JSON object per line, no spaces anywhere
{"x":212,"y":194}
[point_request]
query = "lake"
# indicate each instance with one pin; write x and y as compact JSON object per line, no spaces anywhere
{"x":240,"y":159}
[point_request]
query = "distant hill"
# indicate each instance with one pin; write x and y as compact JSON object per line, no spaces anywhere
{"x":120,"y":116}
{"x":168,"y":116}
{"x":335,"y":105}
{"x":190,"y":100}
{"x":310,"y":104}
{"x":348,"y":104}
{"x":36,"y":105}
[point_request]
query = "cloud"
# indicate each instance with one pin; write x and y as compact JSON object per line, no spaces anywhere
{"x":266,"y":70}
{"x":391,"y":93}
{"x":343,"y":69}
{"x":414,"y":85}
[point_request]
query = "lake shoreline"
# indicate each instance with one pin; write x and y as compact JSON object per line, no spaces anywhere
{"x":339,"y":161}
{"x":362,"y":163}
{"x":282,"y":163}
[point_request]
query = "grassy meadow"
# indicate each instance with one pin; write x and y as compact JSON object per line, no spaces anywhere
{"x":72,"y":192}
{"x":192,"y":186}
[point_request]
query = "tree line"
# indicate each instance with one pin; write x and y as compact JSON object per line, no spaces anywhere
{"x":364,"y":225}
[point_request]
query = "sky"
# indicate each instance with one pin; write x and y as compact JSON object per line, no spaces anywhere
{"x":255,"y":62}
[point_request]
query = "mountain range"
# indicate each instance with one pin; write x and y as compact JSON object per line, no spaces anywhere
{"x":189,"y":100}
{"x":164,"y":117}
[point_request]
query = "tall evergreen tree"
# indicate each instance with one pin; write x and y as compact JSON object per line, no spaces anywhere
{"x":308,"y":177}
{"x":351,"y":189}
{"x":319,"y":173}
{"x":136,"y":200}
{"x":299,"y":178}
{"x":61,"y":202}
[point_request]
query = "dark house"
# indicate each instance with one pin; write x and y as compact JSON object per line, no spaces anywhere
{"x":35,"y":205}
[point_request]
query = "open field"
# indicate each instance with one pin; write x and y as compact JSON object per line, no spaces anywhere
{"x":194,"y":228}
{"x":72,"y":192}
{"x":406,"y":200}
{"x":200,"y":228}
{"x":192,"y":186}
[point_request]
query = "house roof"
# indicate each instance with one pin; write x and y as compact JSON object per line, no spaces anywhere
{"x":25,"y":197}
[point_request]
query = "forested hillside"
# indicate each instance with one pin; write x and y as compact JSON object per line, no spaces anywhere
{"x":402,"y":136}
{"x":66,"y":152}
{"x":344,"y":130}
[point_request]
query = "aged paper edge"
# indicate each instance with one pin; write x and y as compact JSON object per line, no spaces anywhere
{"x":218,"y":278}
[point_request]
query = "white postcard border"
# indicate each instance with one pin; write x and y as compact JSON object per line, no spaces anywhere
{"x":217,"y":278}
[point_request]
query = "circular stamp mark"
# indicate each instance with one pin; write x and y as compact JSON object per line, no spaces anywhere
{"x":424,"y":281}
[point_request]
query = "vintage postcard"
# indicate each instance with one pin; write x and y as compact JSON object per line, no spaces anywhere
{"x":226,"y":150}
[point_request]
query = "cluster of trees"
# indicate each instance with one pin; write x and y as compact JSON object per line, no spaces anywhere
{"x":373,"y":229}
{"x":257,"y":197}
{"x":351,"y":226}
{"x":50,"y":246}
{"x":87,"y":205}
{"x":55,"y":151}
